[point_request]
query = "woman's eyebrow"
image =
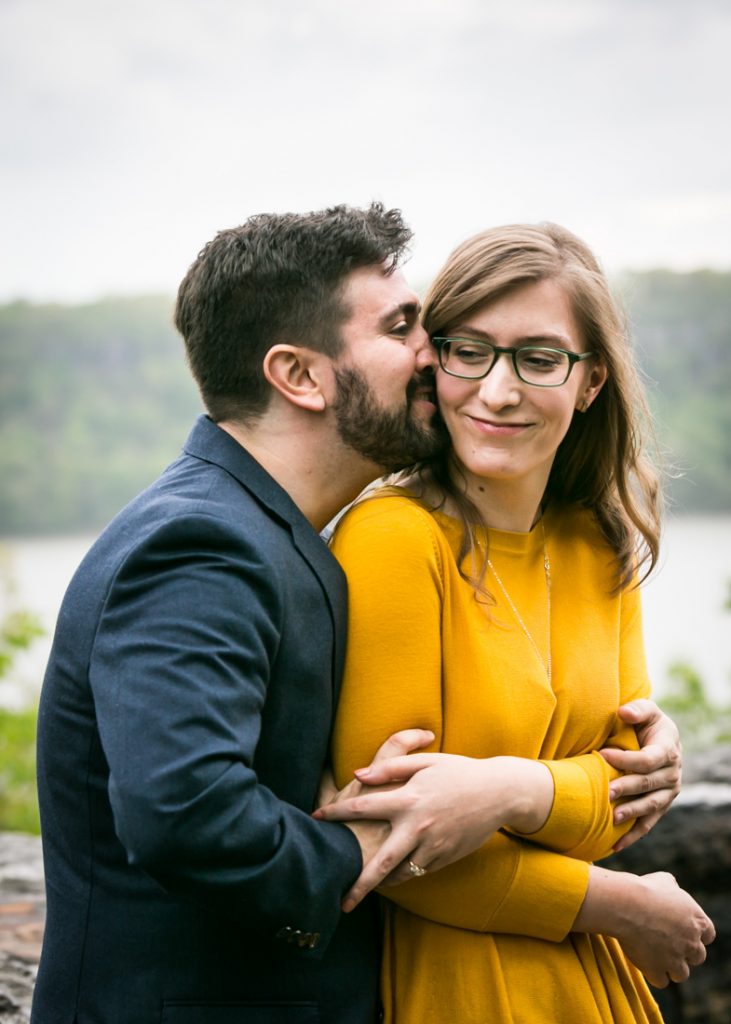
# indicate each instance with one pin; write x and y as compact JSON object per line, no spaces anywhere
{"x":545,"y":337}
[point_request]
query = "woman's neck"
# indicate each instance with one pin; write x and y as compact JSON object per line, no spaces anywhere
{"x":513,"y":505}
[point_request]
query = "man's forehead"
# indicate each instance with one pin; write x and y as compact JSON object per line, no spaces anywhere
{"x":380,"y":290}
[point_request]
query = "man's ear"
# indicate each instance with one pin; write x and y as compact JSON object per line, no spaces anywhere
{"x":298,"y":375}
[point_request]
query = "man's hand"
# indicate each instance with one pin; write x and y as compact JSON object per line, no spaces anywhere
{"x":654,"y":770}
{"x":370,"y":831}
{"x":443,"y":807}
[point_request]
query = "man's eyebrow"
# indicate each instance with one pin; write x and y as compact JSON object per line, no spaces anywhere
{"x":407,"y":309}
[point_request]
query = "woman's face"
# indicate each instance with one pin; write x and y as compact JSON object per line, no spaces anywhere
{"x":502,"y":428}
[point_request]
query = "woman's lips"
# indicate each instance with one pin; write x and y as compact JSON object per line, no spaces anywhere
{"x":497,"y":429}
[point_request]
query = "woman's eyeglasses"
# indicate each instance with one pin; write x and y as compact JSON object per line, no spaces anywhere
{"x":533,"y":364}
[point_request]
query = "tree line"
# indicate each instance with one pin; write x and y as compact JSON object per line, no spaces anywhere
{"x":96,"y":399}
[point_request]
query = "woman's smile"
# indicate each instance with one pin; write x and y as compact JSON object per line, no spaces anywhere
{"x":498,"y":428}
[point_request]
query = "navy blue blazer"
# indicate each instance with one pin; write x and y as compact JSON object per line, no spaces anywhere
{"x":183,"y":727}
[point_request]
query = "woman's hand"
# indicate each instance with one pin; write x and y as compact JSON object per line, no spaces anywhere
{"x":661,"y":929}
{"x":652,"y":773}
{"x":441,"y":807}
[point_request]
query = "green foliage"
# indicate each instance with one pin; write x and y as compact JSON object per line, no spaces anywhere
{"x":95,"y":400}
{"x":17,"y":631}
{"x":701,"y":722}
{"x":18,"y":800}
{"x":680,"y":323}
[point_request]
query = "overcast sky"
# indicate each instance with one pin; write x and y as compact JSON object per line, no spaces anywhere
{"x":131,"y":132}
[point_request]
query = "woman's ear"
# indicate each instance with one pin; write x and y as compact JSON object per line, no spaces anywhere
{"x":297,"y":374}
{"x":596,"y":380}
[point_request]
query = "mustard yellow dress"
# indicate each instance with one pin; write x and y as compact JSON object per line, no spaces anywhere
{"x":489,"y":939}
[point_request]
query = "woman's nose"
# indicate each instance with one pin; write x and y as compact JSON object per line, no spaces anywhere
{"x":502,"y":385}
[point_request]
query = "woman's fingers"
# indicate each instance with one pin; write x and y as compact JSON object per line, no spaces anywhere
{"x":403,"y":742}
{"x":382,"y":805}
{"x":394,"y":769}
{"x":415,"y":866}
{"x":394,"y":851}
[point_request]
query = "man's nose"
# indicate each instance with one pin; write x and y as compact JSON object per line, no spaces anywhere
{"x":426,"y":356}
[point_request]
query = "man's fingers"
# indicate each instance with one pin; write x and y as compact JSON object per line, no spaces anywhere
{"x":709,"y":932}
{"x":404,"y":742}
{"x":328,"y":790}
{"x":640,"y":712}
{"x":649,"y":759}
{"x":395,"y":849}
{"x":638,"y":831}
{"x":654,"y":804}
{"x":632,"y":785}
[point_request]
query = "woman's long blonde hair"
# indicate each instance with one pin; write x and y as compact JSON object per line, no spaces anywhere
{"x":601,"y":463}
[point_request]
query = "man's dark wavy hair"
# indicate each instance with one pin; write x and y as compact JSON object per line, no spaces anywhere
{"x":278,"y":278}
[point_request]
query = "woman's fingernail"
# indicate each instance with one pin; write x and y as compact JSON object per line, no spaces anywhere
{"x":360,"y":772}
{"x":347,"y":905}
{"x":619,"y":817}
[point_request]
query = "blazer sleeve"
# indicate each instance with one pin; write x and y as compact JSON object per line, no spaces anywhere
{"x":393,"y":560}
{"x":179,"y":670}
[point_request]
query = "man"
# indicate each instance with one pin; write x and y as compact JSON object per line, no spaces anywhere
{"x":187,"y":706}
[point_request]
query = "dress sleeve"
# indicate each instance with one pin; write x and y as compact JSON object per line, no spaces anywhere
{"x":581,"y":819}
{"x":392,"y":555}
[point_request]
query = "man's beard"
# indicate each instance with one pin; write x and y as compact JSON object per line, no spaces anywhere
{"x":392,"y":440}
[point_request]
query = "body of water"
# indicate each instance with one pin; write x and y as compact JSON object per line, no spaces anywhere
{"x":685,"y":618}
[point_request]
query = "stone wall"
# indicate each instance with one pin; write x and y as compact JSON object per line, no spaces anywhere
{"x":22,"y":906}
{"x":693,"y":842}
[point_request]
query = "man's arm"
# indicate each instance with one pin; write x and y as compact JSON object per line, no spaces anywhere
{"x":447,"y":806}
{"x":181,"y":671}
{"x":652,"y":774}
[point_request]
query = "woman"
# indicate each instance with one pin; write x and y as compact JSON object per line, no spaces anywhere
{"x":493,"y":601}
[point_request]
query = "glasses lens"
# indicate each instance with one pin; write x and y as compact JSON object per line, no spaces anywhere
{"x":467,"y":358}
{"x":542,"y":366}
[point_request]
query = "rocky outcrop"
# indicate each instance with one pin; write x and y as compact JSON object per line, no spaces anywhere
{"x":22,"y":911}
{"x":692,"y":842}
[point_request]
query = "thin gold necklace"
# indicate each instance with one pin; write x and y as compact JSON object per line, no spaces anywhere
{"x":516,"y":613}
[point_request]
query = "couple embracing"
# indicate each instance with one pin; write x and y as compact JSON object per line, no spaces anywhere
{"x":487,"y":721}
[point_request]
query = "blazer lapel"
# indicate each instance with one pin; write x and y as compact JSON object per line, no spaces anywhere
{"x":211,"y":444}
